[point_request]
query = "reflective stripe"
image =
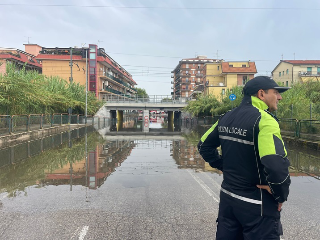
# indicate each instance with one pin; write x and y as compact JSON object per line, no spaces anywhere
{"x":236,"y":140}
{"x":241,"y":198}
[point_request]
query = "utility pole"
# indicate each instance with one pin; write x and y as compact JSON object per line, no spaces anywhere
{"x":86,"y":112}
{"x":70,"y":79}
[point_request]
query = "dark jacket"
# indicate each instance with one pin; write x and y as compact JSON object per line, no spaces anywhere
{"x":253,"y":153}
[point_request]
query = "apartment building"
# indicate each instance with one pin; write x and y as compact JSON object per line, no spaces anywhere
{"x":188,"y":75}
{"x":220,"y":76}
{"x":288,"y":72}
{"x":105,"y":76}
{"x":19,"y":58}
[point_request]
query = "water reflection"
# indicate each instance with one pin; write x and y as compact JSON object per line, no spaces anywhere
{"x":85,"y":158}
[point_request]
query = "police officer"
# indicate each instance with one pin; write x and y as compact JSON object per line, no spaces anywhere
{"x":254,"y":163}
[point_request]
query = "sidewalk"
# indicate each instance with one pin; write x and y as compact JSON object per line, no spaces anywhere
{"x":15,"y":138}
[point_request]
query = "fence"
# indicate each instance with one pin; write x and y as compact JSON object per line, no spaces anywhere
{"x":24,"y":123}
{"x":299,"y":111}
{"x":305,"y":128}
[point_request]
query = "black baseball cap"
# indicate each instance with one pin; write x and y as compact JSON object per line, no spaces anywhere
{"x":262,"y":82}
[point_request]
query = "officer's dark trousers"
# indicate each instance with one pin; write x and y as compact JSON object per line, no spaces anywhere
{"x":239,"y":219}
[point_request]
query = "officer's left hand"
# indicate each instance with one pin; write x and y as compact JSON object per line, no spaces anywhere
{"x":266,"y":187}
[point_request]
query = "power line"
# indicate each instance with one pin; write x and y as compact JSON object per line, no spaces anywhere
{"x":164,"y":8}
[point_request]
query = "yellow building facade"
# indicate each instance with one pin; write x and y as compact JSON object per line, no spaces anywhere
{"x":220,"y":76}
{"x":106,"y":78}
{"x":289,"y":72}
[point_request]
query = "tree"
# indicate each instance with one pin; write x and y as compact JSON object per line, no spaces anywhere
{"x":141,"y":93}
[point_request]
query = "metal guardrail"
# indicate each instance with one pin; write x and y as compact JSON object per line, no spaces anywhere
{"x":158,"y":99}
{"x":23,"y":123}
{"x":300,"y":128}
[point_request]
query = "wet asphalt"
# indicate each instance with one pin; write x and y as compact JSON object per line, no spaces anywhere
{"x":147,"y":196}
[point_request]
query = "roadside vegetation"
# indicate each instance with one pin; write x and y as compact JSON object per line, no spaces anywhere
{"x":28,"y":92}
{"x":296,"y":103}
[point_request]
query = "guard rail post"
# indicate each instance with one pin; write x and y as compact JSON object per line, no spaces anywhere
{"x":10,"y":124}
{"x":28,"y":123}
{"x":41,"y":121}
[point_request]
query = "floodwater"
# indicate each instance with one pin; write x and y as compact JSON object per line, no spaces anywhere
{"x":128,"y":184}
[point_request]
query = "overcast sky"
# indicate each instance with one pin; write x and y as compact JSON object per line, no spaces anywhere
{"x":149,"y":37}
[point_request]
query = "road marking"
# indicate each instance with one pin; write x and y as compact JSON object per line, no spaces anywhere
{"x":203,"y":185}
{"x":212,"y":180}
{"x":83,"y":232}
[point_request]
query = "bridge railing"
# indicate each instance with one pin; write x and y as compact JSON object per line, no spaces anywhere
{"x":148,"y":99}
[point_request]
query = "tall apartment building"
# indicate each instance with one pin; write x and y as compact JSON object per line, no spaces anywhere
{"x":19,"y":58}
{"x":288,"y":72}
{"x":105,"y":76}
{"x":187,"y":75}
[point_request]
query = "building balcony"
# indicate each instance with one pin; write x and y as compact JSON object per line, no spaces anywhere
{"x":308,"y":74}
{"x":106,"y":75}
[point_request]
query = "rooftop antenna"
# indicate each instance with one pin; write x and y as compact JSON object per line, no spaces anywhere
{"x":82,"y":44}
{"x":217,"y":54}
{"x":282,"y":56}
{"x":99,"y":42}
{"x":195,"y":54}
{"x":28,"y":39}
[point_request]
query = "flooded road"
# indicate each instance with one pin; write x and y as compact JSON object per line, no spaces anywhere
{"x":120,"y":184}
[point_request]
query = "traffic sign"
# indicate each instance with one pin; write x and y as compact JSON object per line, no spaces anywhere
{"x":232,"y":97}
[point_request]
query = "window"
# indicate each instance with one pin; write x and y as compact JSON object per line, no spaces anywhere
{"x":279,"y":74}
{"x":187,"y":65}
{"x":318,"y":70}
{"x":187,"y":79}
{"x":309,"y":70}
{"x":198,"y":79}
{"x":282,"y":73}
{"x":287,"y":72}
{"x":244,"y":80}
{"x":230,"y":65}
{"x":192,"y":79}
{"x":287,"y":83}
{"x":193,"y":72}
{"x":218,"y":67}
{"x":243,"y":65}
{"x":223,"y":91}
{"x":198,"y":66}
{"x":187,"y":87}
{"x":187,"y":72}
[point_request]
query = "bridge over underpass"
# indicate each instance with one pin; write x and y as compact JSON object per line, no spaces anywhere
{"x":116,"y":104}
